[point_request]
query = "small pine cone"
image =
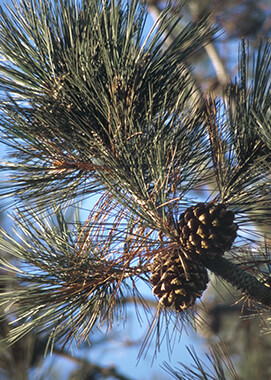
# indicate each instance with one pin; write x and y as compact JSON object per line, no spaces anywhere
{"x":207,"y":229}
{"x":174,"y":286}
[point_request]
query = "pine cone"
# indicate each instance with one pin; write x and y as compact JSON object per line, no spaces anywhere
{"x":207,"y":229}
{"x":175,"y":286}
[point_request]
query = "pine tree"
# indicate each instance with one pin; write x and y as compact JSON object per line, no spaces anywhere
{"x":91,"y":107}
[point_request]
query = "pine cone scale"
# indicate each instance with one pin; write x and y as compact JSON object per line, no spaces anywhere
{"x":175,"y":286}
{"x":207,"y":229}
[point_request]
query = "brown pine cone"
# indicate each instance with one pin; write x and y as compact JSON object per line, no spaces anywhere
{"x":174,"y":286}
{"x":207,"y":229}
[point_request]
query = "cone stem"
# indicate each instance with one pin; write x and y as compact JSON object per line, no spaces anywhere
{"x":242,"y":280}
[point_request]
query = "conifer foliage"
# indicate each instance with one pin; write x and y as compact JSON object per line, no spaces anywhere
{"x":91,"y":106}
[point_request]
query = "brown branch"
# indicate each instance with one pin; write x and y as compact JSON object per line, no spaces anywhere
{"x":220,"y":69}
{"x":91,"y":367}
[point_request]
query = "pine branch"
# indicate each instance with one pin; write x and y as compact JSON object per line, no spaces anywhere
{"x":70,"y":268}
{"x":242,"y":280}
{"x":247,"y":101}
{"x":92,"y":107}
{"x":226,"y":156}
{"x":100,"y":111}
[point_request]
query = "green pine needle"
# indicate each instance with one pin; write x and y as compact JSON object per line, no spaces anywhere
{"x":88,"y":106}
{"x":220,"y":367}
{"x":99,"y":96}
{"x":70,"y":277}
